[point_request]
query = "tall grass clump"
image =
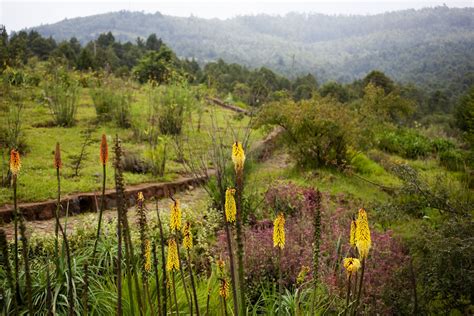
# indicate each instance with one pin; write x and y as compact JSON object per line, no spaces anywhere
{"x":61,"y":94}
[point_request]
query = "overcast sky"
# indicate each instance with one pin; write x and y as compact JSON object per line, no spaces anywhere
{"x":19,"y":14}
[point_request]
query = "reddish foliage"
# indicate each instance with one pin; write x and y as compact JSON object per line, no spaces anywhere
{"x":385,"y":258}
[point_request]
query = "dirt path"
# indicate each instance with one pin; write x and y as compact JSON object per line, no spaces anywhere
{"x":189,"y":200}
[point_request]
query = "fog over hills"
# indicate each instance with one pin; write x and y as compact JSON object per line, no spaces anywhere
{"x":419,"y":46}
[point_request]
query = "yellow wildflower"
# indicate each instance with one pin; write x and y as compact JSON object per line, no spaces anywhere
{"x":172,"y":261}
{"x":15,"y":162}
{"x":104,"y":150}
{"x":352,"y":239}
{"x":175,"y":221}
{"x":279,"y":231}
{"x":302,"y":275}
{"x":187,"y":236}
{"x":230,"y":207}
{"x":147,"y":264}
{"x":238,"y":156}
{"x":220,"y":266}
{"x":363,"y":241}
{"x":351,"y":265}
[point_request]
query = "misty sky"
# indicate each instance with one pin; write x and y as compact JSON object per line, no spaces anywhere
{"x":19,"y":14}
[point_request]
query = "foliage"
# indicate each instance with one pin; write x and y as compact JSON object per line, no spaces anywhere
{"x":465,"y":116}
{"x":61,"y":94}
{"x":155,"y":66}
{"x":317,"y":131}
{"x":406,"y":143}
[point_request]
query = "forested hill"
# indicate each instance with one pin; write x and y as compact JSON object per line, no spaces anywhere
{"x":432,"y":47}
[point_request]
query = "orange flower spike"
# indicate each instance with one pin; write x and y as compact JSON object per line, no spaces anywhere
{"x":104,"y":150}
{"x":15,"y":162}
{"x":57,"y":157}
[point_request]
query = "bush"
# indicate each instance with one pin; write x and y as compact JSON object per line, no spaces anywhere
{"x":112,"y":103}
{"x":317,"y":132}
{"x":406,"y":143}
{"x":168,"y":105}
{"x":452,"y":159}
{"x":61,"y":95}
{"x":440,"y":145}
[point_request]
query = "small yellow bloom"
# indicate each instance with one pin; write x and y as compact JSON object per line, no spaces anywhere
{"x":279,"y":231}
{"x":175,"y":220}
{"x":224,"y":288}
{"x":57,"y":157}
{"x":302,"y":275}
{"x":187,"y":236}
{"x":104,"y":150}
{"x":230,"y":207}
{"x":238,"y":156}
{"x":147,"y":264}
{"x":172,"y":262}
{"x":140,"y":198}
{"x":352,"y":239}
{"x":15,"y":162}
{"x":351,"y":265}
{"x":363,"y":241}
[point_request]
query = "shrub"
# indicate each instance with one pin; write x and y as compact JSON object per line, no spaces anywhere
{"x":441,"y":144}
{"x":61,"y":95}
{"x":168,"y":105}
{"x":452,"y":159}
{"x":406,"y":143}
{"x":156,"y":156}
{"x":112,"y":103}
{"x":317,"y":131}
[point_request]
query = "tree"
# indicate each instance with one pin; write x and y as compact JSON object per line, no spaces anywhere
{"x":85,"y":60}
{"x":155,"y":65}
{"x":379,"y":79}
{"x":465,"y":116}
{"x":153,"y":43}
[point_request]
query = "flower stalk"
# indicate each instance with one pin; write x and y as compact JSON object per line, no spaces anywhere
{"x":104,"y":157}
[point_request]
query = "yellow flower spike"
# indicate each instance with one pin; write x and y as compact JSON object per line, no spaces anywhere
{"x":224,"y":288}
{"x":363,"y":241}
{"x":187,"y":236}
{"x":352,"y":238}
{"x":104,"y":150}
{"x":230,"y":206}
{"x":351,"y":265}
{"x":279,"y":231}
{"x":175,"y":220}
{"x":57,"y":157}
{"x":172,"y":261}
{"x":15,"y":162}
{"x":238,"y":156}
{"x":147,"y":264}
{"x":140,"y":197}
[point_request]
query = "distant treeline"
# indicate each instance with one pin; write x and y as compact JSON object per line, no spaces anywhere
{"x":151,"y":58}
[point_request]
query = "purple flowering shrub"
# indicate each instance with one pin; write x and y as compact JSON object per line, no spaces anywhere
{"x":386,"y":257}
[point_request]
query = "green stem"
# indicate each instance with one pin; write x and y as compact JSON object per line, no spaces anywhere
{"x":163,"y":260}
{"x":26,"y":261}
{"x":157,"y":278}
{"x":196,"y":303}
{"x":15,"y":218}
{"x":68,"y":253}
{"x":280,"y":282}
{"x":240,"y":243}
{"x":174,"y":293}
{"x":190,"y":304}
{"x":101,"y":211}
{"x":360,"y":287}
{"x":348,"y":293}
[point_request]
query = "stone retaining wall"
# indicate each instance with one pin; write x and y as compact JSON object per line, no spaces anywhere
{"x":82,"y":202}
